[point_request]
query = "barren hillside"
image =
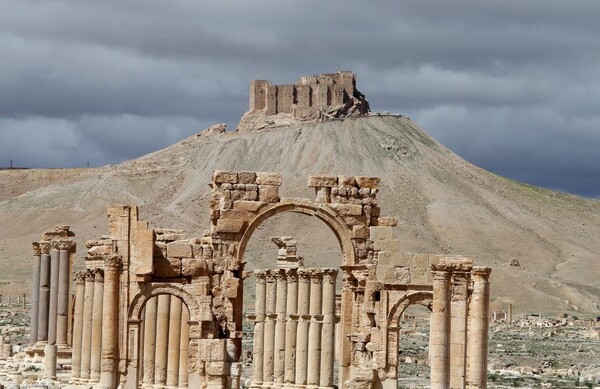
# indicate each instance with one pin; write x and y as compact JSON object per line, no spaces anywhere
{"x":444,"y":205}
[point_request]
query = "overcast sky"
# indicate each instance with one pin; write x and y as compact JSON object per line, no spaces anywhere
{"x":512,"y":86}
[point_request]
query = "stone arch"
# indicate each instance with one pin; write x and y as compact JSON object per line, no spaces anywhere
{"x":422,"y":298}
{"x":324,"y":213}
{"x":151,"y":290}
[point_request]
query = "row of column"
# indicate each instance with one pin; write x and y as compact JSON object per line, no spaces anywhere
{"x":294,"y":329}
{"x":96,"y":324}
{"x":165,"y":345}
{"x":458,"y":360}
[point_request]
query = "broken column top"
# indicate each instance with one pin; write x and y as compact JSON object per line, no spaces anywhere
{"x":286,"y":255}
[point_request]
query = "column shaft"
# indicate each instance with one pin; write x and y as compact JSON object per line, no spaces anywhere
{"x":77,"y":326}
{"x":458,"y":325}
{"x":269,"y":344}
{"x":291,"y":327}
{"x":97,"y":317}
{"x":149,"y":341}
{"x":53,"y":305}
{"x":328,"y":330}
{"x":44,"y":298}
{"x":62,"y":323}
{"x":478,"y":329}
{"x":313,"y":374}
{"x":162,"y":339}
{"x":259,"y":329}
{"x":439,"y":331}
{"x":183,"y":347}
{"x":279,"y":342}
{"x":110,"y":322}
{"x":304,"y":298}
{"x":86,"y":333}
{"x":35,"y":295}
{"x":174,"y":341}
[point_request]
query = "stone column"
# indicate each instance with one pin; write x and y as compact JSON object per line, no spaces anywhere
{"x":259,"y":329}
{"x":440,"y":329}
{"x":77,"y":326}
{"x":35,"y":292}
{"x":110,"y":322}
{"x":269,"y":345}
{"x":345,"y":326}
{"x":53,"y":305}
{"x":458,"y":325}
{"x":478,"y":328}
{"x":44,"y":294}
{"x":279,"y":343}
{"x":303,"y":325}
{"x":291,"y":327}
{"x":149,"y":341}
{"x":183,"y":347}
{"x":510,"y":314}
{"x":86,"y":333}
{"x":313,"y":374}
{"x":162,"y":339}
{"x":97,"y":317}
{"x":174,"y":341}
{"x":328,"y":330}
{"x":62,"y":320}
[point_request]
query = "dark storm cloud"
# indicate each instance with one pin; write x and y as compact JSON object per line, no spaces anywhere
{"x":512,"y":86}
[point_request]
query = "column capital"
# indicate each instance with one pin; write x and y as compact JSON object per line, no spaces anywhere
{"x":261,"y":276}
{"x":98,"y":275}
{"x":68,"y":245}
{"x":329,"y":275}
{"x":79,"y":277}
{"x":271,"y":274}
{"x":89,"y":275}
{"x":440,"y":275}
{"x":481,"y":273}
{"x":304,"y":275}
{"x":45,"y":247}
{"x":37,"y":250}
{"x":291,"y":275}
{"x":316,"y":276}
{"x":280,"y":275}
{"x":113,"y":263}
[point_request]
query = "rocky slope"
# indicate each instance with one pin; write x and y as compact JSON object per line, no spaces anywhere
{"x":444,"y":204}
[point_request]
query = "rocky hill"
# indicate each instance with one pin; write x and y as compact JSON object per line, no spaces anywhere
{"x":544,"y":246}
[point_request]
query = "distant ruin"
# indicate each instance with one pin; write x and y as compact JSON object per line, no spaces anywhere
{"x":326,"y":96}
{"x":156,"y":309}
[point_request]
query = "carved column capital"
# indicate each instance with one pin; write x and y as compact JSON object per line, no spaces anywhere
{"x":37,"y":250}
{"x":45,"y":247}
{"x":481,"y":273}
{"x":291,"y":275}
{"x":329,"y":275}
{"x":79,"y":277}
{"x":89,"y":275}
{"x":113,"y":263}
{"x":271,"y":275}
{"x":261,"y":276}
{"x":280,"y":275}
{"x":304,"y":275}
{"x":98,"y":275}
{"x":316,"y":276}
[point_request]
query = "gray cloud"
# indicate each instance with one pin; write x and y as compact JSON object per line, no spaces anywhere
{"x":512,"y":86}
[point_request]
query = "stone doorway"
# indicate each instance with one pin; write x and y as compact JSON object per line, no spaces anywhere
{"x":414,"y":369}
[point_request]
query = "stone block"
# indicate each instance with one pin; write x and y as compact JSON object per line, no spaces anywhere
{"x":230,"y":287}
{"x":179,"y":250}
{"x":367,"y":182}
{"x":346,"y":181}
{"x":268,"y":178}
{"x":250,"y":196}
{"x":355,"y":220}
{"x":220,"y":177}
{"x":322,"y":180}
{"x":360,"y":231}
{"x":381,"y":233}
{"x":347,"y":209}
{"x":268,"y":193}
{"x":387,"y":221}
{"x":217,"y":369}
{"x":197,"y":251}
{"x":402,"y":275}
{"x":167,"y":267}
{"x":233,"y":226}
{"x":193,"y":267}
{"x":246,"y":177}
{"x":387,"y":245}
{"x":249,"y":206}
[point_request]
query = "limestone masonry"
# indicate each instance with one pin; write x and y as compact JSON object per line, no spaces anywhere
{"x":154,"y":308}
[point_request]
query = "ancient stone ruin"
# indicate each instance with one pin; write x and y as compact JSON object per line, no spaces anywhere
{"x":155,"y":308}
{"x":312,"y":98}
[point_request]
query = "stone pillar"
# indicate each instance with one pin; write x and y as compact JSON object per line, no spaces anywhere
{"x":269,"y":345}
{"x":97,"y":317}
{"x":110,"y":322}
{"x":328,"y":330}
{"x":279,"y":343}
{"x":44,"y":294}
{"x":77,"y":326}
{"x":440,"y":329}
{"x":149,"y":341}
{"x":35,"y":293}
{"x":458,"y":325}
{"x":86,"y":333}
{"x":303,"y":325}
{"x":62,"y":320}
{"x":291,"y":327}
{"x":510,"y":314}
{"x":478,"y":328}
{"x":345,"y":326}
{"x":162,"y":339}
{"x":174,"y":341}
{"x":184,"y":347}
{"x":259,"y":329}
{"x":50,"y":361}
{"x":313,"y":373}
{"x":53,"y":305}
